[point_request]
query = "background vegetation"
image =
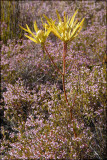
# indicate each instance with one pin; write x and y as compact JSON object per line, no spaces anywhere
{"x":35,"y":120}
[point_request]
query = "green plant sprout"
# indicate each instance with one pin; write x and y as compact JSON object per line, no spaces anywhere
{"x":66,"y":31}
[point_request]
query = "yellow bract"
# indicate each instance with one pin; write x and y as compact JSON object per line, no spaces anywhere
{"x":65,"y":30}
{"x":40,"y":36}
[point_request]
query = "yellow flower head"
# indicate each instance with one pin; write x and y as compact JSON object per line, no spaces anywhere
{"x":40,"y":36}
{"x":65,"y":30}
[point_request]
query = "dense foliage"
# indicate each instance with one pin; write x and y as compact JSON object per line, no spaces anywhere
{"x":35,"y":119}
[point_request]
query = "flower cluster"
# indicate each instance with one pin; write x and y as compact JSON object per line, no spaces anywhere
{"x":65,"y":30}
{"x":40,"y":36}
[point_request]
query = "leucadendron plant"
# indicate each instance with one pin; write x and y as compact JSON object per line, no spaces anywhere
{"x":66,"y":31}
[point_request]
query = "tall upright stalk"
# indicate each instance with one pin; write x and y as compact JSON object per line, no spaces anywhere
{"x":63,"y":81}
{"x":63,"y":76}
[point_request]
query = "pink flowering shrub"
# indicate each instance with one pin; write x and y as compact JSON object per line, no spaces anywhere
{"x":35,"y":119}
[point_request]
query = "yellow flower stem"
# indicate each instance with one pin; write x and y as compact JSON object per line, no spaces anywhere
{"x":52,"y":61}
{"x":63,"y":78}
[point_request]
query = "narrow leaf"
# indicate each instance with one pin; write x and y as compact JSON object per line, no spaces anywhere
{"x":48,"y":20}
{"x":59,"y":18}
{"x":32,"y":39}
{"x":72,"y":19}
{"x":23,"y":28}
{"x":35,"y":27}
